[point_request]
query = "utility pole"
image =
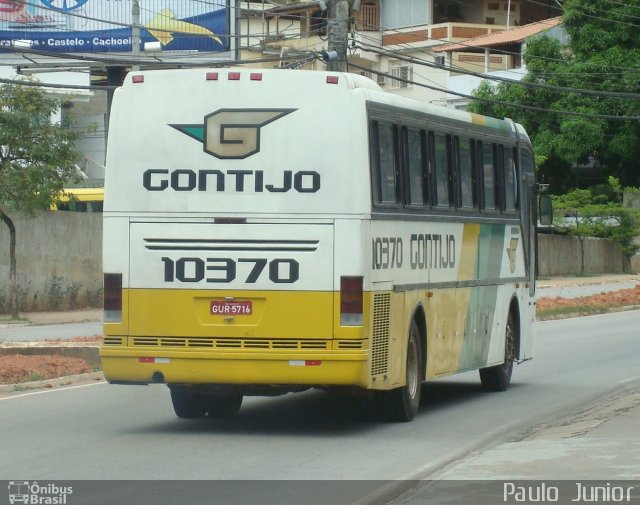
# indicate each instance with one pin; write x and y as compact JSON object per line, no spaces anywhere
{"x":135,"y":34}
{"x":338,"y":27}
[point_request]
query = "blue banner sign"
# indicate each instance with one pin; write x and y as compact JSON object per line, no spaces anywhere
{"x":103,"y":26}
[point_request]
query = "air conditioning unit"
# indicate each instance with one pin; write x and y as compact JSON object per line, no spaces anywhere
{"x":381,"y":79}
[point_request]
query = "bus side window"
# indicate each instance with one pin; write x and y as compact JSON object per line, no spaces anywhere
{"x":464,"y":162}
{"x":384,"y":163}
{"x":488,"y":180}
{"x":510,"y":177}
{"x":413,"y":148}
{"x":440,"y":149}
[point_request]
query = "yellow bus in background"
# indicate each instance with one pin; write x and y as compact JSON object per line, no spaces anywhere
{"x":80,"y":200}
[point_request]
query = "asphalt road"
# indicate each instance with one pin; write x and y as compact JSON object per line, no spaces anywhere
{"x":129,"y":432}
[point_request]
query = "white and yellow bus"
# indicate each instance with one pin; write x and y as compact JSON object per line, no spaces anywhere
{"x":269,"y":231}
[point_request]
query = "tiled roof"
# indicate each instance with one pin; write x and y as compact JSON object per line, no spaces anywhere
{"x":510,"y":36}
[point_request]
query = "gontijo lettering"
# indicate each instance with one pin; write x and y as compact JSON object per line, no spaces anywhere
{"x":230,"y":180}
{"x":426,"y":250}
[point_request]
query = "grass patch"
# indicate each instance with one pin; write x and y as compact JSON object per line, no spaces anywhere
{"x":35,"y":377}
{"x":10,"y":320}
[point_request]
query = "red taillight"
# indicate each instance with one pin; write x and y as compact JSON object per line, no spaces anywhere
{"x":256,"y":77}
{"x":234,"y":76}
{"x":212,"y":76}
{"x":351,"y":301}
{"x":332,"y":79}
{"x":112,"y":298}
{"x":137,"y":79}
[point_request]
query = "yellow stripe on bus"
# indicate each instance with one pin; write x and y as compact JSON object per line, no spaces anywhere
{"x":274,"y":314}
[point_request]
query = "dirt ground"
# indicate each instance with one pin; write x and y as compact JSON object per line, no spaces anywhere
{"x":612,"y":300}
{"x":17,"y":369}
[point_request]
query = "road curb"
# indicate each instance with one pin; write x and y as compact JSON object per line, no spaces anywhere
{"x":88,"y":352}
{"x":58,"y":382}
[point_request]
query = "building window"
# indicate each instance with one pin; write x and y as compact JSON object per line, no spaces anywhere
{"x":400,"y":73}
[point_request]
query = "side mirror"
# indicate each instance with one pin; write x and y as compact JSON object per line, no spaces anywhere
{"x":545,"y":210}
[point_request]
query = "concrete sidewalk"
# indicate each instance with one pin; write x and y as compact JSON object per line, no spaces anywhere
{"x":600,"y":443}
{"x":62,"y":317}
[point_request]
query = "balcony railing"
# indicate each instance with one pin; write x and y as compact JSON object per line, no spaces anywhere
{"x":438,"y":33}
{"x":368,"y":18}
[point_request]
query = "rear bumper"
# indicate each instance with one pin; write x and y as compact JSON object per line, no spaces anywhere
{"x":326,"y":368}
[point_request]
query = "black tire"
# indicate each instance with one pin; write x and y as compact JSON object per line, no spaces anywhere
{"x":401,"y":404}
{"x":498,"y":378}
{"x":223,"y":407}
{"x":188,"y":404}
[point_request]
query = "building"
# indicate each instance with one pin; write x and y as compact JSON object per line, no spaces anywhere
{"x":408,"y":46}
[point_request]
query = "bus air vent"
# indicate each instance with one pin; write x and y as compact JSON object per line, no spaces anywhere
{"x":351,"y":344}
{"x":223,"y":343}
{"x":113,"y":341}
{"x":380,"y":341}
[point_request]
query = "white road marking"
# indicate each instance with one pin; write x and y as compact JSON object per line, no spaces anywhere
{"x":66,"y":388}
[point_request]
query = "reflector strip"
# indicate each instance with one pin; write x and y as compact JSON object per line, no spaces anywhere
{"x":234,"y":76}
{"x":256,"y":77}
{"x":146,"y":359}
{"x":212,"y":76}
{"x":332,"y":79}
{"x":137,"y":79}
{"x":307,"y":362}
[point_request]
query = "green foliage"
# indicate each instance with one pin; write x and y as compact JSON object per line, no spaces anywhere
{"x":598,"y":212}
{"x":37,"y":157}
{"x":603,"y":55}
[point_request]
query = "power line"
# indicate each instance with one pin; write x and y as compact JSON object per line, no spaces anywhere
{"x":466,"y":44}
{"x":560,"y":89}
{"x":500,"y":102}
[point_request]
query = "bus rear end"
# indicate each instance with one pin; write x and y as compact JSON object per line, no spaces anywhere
{"x":225,"y":204}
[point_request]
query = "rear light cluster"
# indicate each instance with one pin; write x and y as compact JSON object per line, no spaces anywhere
{"x":351,"y":301}
{"x":112,"y":298}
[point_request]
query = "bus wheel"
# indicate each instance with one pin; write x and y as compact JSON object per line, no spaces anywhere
{"x":222,"y":407}
{"x":187,"y":404}
{"x":498,"y":378}
{"x":401,"y":404}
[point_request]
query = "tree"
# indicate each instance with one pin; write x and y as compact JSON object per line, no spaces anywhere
{"x":603,"y":55}
{"x":37,"y":158}
{"x":597,"y":212}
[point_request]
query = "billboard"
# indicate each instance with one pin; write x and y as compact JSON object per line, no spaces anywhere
{"x":104,"y":26}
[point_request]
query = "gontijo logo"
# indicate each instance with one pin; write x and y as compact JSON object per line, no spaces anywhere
{"x":232,"y":133}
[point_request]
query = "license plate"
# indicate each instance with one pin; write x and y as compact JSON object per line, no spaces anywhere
{"x":231,"y":308}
